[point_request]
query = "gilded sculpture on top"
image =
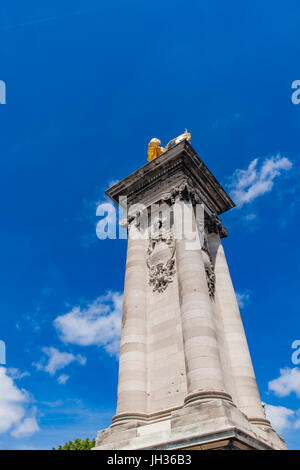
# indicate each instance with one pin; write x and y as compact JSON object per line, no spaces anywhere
{"x":155,"y":149}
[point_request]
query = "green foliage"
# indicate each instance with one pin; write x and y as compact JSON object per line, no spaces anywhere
{"x":78,"y":444}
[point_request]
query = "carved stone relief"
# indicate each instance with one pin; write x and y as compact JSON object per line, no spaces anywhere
{"x":160,"y":257}
{"x":209,"y":269}
{"x":182,"y":191}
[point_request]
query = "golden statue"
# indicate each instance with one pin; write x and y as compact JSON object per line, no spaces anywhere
{"x":154,"y":149}
{"x":185,"y":136}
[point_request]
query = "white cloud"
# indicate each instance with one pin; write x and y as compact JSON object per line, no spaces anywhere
{"x":243,"y":298}
{"x":281,"y":418}
{"x":249,"y":184}
{"x":57,"y":360}
{"x":14,"y":408}
{"x":63,"y":378}
{"x":98,"y":323}
{"x":286,"y":383}
{"x":12,"y":402}
{"x":26,"y":428}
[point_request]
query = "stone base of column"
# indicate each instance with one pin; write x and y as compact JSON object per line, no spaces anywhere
{"x":212,"y":423}
{"x":260,"y":422}
{"x":196,"y":397}
{"x":140,"y":418}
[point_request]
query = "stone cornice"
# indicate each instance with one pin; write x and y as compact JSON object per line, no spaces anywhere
{"x":151,"y":181}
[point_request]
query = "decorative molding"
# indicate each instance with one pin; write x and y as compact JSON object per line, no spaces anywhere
{"x":149,"y":184}
{"x":209,"y":270}
{"x":211,"y":281}
{"x":184,"y":191}
{"x":160,"y":257}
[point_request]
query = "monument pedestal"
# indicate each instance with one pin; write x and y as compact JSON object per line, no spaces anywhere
{"x":211,"y":424}
{"x":186,"y":379}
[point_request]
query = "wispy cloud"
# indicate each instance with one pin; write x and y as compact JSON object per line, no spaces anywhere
{"x":250,"y":217}
{"x":112,"y":182}
{"x":71,"y":418}
{"x":97,"y":323}
{"x":15,"y":374}
{"x":243,"y":298}
{"x":247,"y":185}
{"x":55,"y":360}
{"x":288,"y":382}
{"x":48,"y":19}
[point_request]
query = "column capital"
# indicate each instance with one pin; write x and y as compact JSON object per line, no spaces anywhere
{"x":184,"y":191}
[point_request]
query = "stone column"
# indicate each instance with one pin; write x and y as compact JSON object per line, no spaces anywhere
{"x":247,"y":394}
{"x":203,"y":365}
{"x":132,"y":387}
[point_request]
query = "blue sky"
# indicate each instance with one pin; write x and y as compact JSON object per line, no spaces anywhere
{"x":89,"y":83}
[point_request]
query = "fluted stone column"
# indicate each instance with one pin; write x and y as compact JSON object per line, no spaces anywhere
{"x":203,"y":366}
{"x":246,"y":391}
{"x":132,"y":386}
